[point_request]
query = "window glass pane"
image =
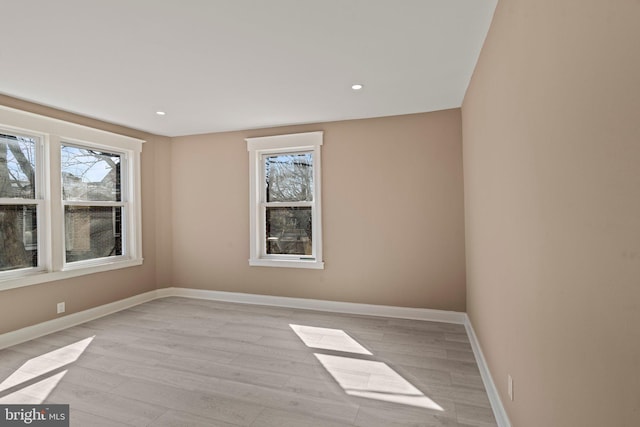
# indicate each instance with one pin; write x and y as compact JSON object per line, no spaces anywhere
{"x":289,"y":177}
{"x":90,"y":175}
{"x":18,"y":237}
{"x":289,"y":230}
{"x":17,"y":166}
{"x":92,"y":232}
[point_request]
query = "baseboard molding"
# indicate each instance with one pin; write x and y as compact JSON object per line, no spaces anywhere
{"x":32,"y":332}
{"x":321,"y":305}
{"x":492,"y":392}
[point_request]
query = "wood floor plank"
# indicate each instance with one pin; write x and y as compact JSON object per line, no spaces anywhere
{"x":384,"y":417}
{"x":81,"y":418}
{"x":277,"y":418}
{"x":173,"y":418}
{"x":114,"y":406}
{"x":213,"y":369}
{"x":180,"y":399}
{"x":475,"y":416}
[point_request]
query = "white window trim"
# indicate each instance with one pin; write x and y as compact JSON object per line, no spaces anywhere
{"x":53,"y":133}
{"x":258,"y":147}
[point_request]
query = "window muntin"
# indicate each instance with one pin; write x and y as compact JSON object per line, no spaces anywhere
{"x":285,"y":200}
{"x":93,"y":205}
{"x":20,"y":203}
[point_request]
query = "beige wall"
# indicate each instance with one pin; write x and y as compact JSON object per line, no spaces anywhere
{"x":392,"y":214}
{"x":34,"y":304}
{"x":551,"y":130}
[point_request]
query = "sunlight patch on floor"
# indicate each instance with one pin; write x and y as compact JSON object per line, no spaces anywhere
{"x":328,"y":339}
{"x":25,"y":379}
{"x":358,"y":375}
{"x":374,"y":380}
{"x":35,"y":393}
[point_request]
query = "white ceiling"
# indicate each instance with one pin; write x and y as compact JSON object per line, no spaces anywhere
{"x":218,"y":65}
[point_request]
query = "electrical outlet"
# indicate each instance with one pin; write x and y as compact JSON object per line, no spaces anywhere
{"x":510,"y":386}
{"x":61,"y":307}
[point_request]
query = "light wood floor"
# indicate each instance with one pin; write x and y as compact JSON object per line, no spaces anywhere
{"x":187,"y":362}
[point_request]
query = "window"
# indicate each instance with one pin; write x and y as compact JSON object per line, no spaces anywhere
{"x":93,"y":205}
{"x":286,"y":225}
{"x":69,"y":205}
{"x":20,"y":200}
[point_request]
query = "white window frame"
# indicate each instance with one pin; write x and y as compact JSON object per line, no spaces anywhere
{"x":283,"y":144}
{"x":52,"y":134}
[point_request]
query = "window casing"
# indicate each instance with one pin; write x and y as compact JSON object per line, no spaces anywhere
{"x":285,"y":200}
{"x":74,"y":207}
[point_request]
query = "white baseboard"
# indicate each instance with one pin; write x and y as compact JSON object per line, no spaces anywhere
{"x":492,"y":392}
{"x":31,"y":332}
{"x":322,"y":305}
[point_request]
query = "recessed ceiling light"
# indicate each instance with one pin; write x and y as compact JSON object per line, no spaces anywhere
{"x":357,"y":87}
{"x":160,"y":113}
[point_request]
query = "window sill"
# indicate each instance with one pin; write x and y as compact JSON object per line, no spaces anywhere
{"x":312,"y":264}
{"x":38,"y":277}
